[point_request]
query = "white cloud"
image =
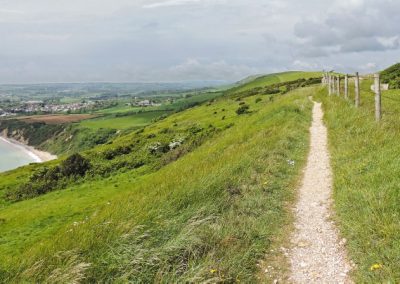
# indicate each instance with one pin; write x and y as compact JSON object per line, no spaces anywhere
{"x":169,"y":3}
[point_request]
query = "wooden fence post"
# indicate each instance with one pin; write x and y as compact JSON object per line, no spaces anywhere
{"x":346,"y":86}
{"x":333,"y":84}
{"x":357,"y":90}
{"x":378,"y":114}
{"x":329,"y":84}
{"x":338,"y":85}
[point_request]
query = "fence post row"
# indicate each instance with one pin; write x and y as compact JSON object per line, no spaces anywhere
{"x":333,"y":83}
{"x":377,"y":87}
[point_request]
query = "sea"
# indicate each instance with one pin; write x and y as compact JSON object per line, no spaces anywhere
{"x":13,"y":156}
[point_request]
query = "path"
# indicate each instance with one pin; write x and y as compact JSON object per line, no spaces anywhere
{"x":317,"y":256}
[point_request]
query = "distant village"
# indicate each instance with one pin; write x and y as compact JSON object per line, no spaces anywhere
{"x":143,"y":103}
{"x":33,"y":107}
{"x":41,"y":107}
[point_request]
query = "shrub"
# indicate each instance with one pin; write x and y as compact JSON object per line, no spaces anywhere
{"x":242,"y":109}
{"x":75,"y":165}
{"x":195,"y":129}
{"x":391,"y":76}
{"x":112,"y":153}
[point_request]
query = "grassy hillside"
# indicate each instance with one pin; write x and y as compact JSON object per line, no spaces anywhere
{"x":123,"y":122}
{"x":391,"y":76}
{"x":206,"y":209}
{"x":270,"y":79}
{"x":365,"y":157}
{"x":59,"y":135}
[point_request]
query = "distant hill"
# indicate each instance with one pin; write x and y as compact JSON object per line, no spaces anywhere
{"x":259,"y":81}
{"x":391,"y":76}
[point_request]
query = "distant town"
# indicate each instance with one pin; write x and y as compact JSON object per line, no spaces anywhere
{"x":34,"y":107}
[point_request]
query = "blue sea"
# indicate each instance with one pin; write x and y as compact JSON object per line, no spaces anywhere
{"x":13,"y":156}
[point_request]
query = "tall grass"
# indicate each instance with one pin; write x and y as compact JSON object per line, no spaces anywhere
{"x":366,"y":165}
{"x":209,"y":216}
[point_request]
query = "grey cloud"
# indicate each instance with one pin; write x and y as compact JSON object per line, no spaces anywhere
{"x":362,"y":44}
{"x":143,"y":40}
{"x":354,"y":28}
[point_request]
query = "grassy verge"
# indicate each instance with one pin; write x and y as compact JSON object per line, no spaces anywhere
{"x":366,"y":163}
{"x":209,"y":216}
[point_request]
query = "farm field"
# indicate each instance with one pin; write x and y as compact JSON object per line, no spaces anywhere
{"x":120,"y":109}
{"x":123,"y":122}
{"x":56,"y":118}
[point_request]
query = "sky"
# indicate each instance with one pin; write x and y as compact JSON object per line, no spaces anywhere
{"x":187,"y":40}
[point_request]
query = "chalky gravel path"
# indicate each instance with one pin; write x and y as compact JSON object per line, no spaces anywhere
{"x":317,"y":254}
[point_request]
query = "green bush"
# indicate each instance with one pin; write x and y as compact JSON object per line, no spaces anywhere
{"x":391,"y":76}
{"x":46,"y":179}
{"x":75,"y":165}
{"x":242,"y":109}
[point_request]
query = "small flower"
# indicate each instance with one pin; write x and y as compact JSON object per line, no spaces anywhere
{"x":376,"y":266}
{"x":212,"y":271}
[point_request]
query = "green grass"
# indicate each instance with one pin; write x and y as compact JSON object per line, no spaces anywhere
{"x":209,"y":216}
{"x":123,"y":122}
{"x":366,"y":163}
{"x":122,"y":108}
{"x":194,"y":99}
{"x":276,"y":78}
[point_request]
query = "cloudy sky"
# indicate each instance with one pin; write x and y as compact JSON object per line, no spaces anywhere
{"x":178,"y":40}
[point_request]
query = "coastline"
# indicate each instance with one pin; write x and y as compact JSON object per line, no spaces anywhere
{"x":37,"y":155}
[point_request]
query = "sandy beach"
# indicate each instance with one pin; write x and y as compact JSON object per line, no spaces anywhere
{"x":37,"y":155}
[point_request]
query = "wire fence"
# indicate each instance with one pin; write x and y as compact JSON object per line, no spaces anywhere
{"x":333,"y":82}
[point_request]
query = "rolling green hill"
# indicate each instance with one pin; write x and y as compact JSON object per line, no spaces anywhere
{"x":391,"y":76}
{"x":266,"y":80}
{"x":198,"y":196}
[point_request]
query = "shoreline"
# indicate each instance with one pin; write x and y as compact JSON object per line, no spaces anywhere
{"x":37,"y":155}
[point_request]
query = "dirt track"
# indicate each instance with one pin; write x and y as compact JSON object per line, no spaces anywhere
{"x":317,"y":254}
